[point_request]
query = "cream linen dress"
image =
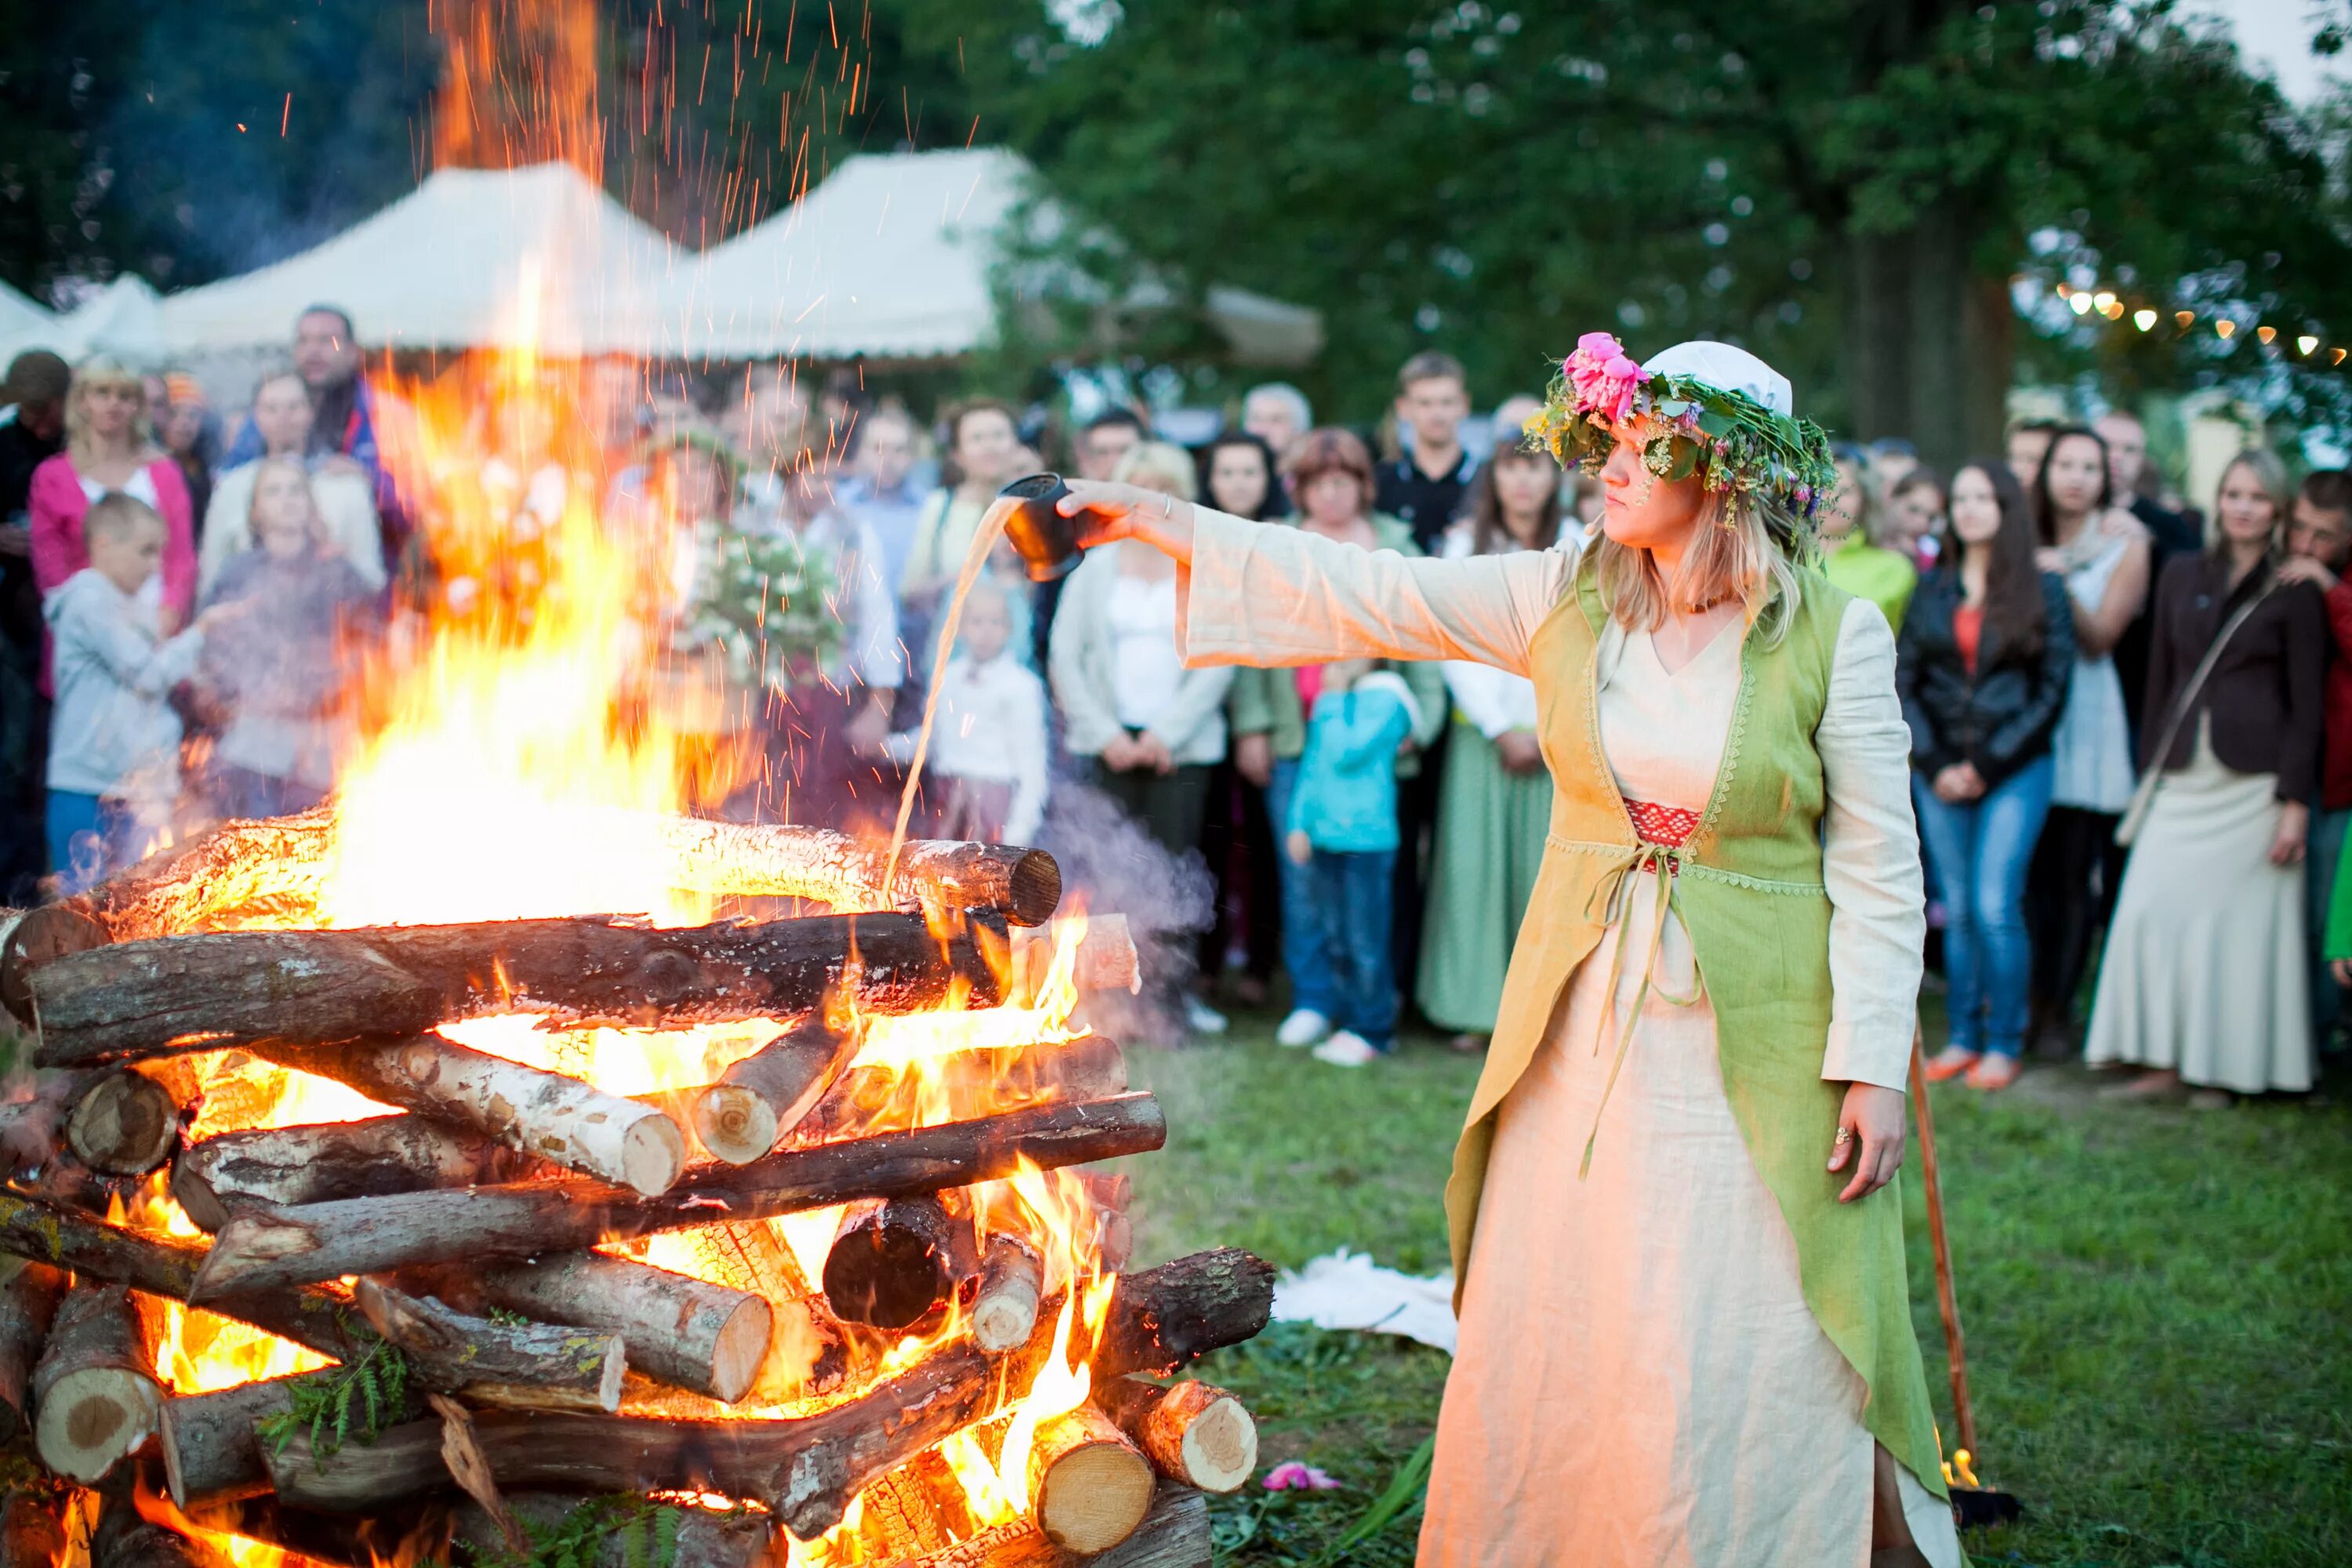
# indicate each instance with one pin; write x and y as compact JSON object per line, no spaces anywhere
{"x":1639,"y":1383}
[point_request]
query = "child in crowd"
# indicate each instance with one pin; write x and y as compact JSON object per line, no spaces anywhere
{"x":277,"y":670}
{"x":114,"y":740}
{"x":1343,"y":830}
{"x":986,"y":772}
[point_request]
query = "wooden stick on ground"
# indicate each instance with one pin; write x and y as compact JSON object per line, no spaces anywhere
{"x":518,"y":1367}
{"x":225,"y":988}
{"x":778,"y":861}
{"x":93,"y":1388}
{"x":1192,"y":1433}
{"x":326,"y":1241}
{"x":762,"y":1097}
{"x":382,"y":1155}
{"x":894,"y":1260}
{"x":1089,"y":1487}
{"x":29,"y":1303}
{"x":534,"y":1112}
{"x":685,"y":1331}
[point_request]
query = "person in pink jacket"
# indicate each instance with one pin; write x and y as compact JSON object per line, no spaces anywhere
{"x":110,"y":447}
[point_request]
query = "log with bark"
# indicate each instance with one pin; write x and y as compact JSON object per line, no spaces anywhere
{"x":32,"y":1529}
{"x":770,"y":860}
{"x":127,"y":1121}
{"x":375,"y":1158}
{"x":516,"y":1366}
{"x":218,"y":989}
{"x":1106,"y":959}
{"x":1011,"y":1288}
{"x":94,"y":1389}
{"x":211,"y":1447}
{"x":29,"y":1302}
{"x":32,"y":937}
{"x":1174,"y":1534}
{"x":527,"y":1108}
{"x":917,"y":1508}
{"x":366,"y":1235}
{"x":685,"y":1331}
{"x":763,"y":1096}
{"x":1089,"y":1486}
{"x":698,"y":1537}
{"x":271,"y":869}
{"x":894,"y":1260}
{"x":1166,"y":1317}
{"x":1192,"y":1433}
{"x":809,"y":1352}
{"x":967,"y":1083}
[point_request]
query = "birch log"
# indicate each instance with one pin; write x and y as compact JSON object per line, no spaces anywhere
{"x":685,"y":1331}
{"x":94,"y":1388}
{"x":763,"y":1096}
{"x":286,"y":1165}
{"x":780,"y":861}
{"x":1192,"y":1433}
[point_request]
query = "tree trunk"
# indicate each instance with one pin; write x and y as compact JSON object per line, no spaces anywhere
{"x":1929,"y":338}
{"x":366,"y":1235}
{"x":515,"y":1366}
{"x":94,"y":1387}
{"x":29,"y":1303}
{"x":762,"y":1097}
{"x":1192,"y":1433}
{"x":686,"y":1332}
{"x":281,"y":1166}
{"x":215,"y":990}
{"x":527,"y":1108}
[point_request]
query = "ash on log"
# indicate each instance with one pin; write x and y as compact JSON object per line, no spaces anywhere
{"x":95,"y":1397}
{"x":217,"y":989}
{"x":1192,"y":1433}
{"x":273,"y":867}
{"x":326,"y":1241}
{"x":533,"y":1111}
{"x":29,"y":1303}
{"x":1012,"y":1287}
{"x":772,"y":860}
{"x":517,"y":1367}
{"x":685,"y":1331}
{"x":762,"y":1097}
{"x":894,"y":1260}
{"x":280,"y":1166}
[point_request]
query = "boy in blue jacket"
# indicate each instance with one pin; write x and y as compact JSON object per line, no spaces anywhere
{"x":1343,"y":829}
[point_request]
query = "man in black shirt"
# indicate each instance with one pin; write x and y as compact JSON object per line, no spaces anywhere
{"x":35,"y":384}
{"x":1425,"y":488}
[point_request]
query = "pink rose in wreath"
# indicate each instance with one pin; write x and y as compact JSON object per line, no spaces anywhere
{"x":1605,"y":376}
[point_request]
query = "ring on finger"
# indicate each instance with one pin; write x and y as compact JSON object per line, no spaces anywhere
{"x":1844,"y":1137}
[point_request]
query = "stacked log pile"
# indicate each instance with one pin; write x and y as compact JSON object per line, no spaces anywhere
{"x":506,"y":1366}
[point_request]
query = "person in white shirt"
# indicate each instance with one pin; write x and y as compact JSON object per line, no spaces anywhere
{"x":984,"y":775}
{"x":282,"y":417}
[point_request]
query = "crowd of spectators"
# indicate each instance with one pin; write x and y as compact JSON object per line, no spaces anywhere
{"x":2131,"y":721}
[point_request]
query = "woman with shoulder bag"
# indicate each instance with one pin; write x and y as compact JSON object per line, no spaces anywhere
{"x":2204,"y":982}
{"x":1984,"y":664}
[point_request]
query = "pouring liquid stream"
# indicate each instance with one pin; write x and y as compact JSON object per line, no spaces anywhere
{"x":975,"y":560}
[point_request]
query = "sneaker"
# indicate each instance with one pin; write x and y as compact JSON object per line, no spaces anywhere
{"x":1950,"y":1063}
{"x":1202,"y":1018}
{"x":1347,"y":1049}
{"x":1992,"y":1072}
{"x":1303,"y":1027}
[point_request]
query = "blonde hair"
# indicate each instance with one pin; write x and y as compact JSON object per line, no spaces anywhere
{"x":2271,"y":474}
{"x":1158,"y":466}
{"x":96,"y":371}
{"x":116,"y":513}
{"x":1733,"y":553}
{"x":253,"y":501}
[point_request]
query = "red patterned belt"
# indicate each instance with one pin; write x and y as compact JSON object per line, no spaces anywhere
{"x":1669,"y":826}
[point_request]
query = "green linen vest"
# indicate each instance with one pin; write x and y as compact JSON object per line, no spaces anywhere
{"x":1751,"y":896}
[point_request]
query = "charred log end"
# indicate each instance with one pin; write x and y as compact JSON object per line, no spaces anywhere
{"x":884,"y":1278}
{"x":1034,"y":889}
{"x":50,"y":932}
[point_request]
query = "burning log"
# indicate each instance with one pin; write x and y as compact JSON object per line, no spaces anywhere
{"x":1106,"y":959}
{"x":274,"y":866}
{"x":1114,"y":1231}
{"x":772,"y":860}
{"x":29,"y":1303}
{"x":1174,"y":1534}
{"x":1192,"y":1433}
{"x":125,"y":1540}
{"x":530,"y":1110}
{"x":973,"y":1083}
{"x":45,"y":1232}
{"x":1012,"y":1286}
{"x":211,"y":1453}
{"x":894,"y":1260}
{"x":1168,"y":1317}
{"x":127,"y":1122}
{"x":30,"y":938}
{"x":703,"y":1538}
{"x":527,"y":1219}
{"x":1089,"y":1487}
{"x":808,"y":1354}
{"x":683,"y":1330}
{"x":288,"y":1166}
{"x":762,"y":1097}
{"x":95,"y":1397}
{"x":917,"y":1508}
{"x":518,"y":1367}
{"x":32,"y":1531}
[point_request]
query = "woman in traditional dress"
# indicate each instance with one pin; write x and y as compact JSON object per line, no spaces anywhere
{"x":2204,"y":982}
{"x":1494,"y":806}
{"x":1684,"y":1320}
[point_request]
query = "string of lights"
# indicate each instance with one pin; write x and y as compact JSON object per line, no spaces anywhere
{"x":2108,"y":304}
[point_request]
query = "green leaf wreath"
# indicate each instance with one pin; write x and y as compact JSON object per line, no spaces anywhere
{"x":767,"y":601}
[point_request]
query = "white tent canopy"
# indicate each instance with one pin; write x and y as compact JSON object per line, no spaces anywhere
{"x":20,"y":314}
{"x":891,"y":258}
{"x":122,"y":321}
{"x":471,"y":258}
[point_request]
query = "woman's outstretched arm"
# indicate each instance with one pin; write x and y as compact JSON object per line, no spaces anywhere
{"x":1262,"y":594}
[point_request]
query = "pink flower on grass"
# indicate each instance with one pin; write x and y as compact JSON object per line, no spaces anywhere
{"x":1292,"y":1476}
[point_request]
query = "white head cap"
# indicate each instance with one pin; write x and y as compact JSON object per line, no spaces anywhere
{"x":1731,"y":369}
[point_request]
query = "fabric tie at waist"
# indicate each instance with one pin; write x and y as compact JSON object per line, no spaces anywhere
{"x":1663,"y":831}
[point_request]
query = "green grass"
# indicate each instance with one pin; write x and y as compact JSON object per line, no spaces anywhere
{"x":2159,"y":1302}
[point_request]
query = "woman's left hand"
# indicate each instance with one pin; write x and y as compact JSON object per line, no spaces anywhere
{"x":2293,"y":831}
{"x":1874,"y":1116}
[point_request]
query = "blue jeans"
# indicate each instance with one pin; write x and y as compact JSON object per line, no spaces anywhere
{"x":1980,"y":851}
{"x":1302,"y":933}
{"x":1351,"y":910}
{"x":90,"y":839}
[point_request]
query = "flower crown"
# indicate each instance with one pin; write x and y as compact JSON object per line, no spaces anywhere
{"x":1732,"y":441}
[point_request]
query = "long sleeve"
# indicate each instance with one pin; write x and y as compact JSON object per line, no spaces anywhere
{"x":1247,"y":708}
{"x":2165,"y":666}
{"x":1870,"y":860}
{"x":128,"y":653}
{"x":1477,"y":690}
{"x":1198,"y":703}
{"x":56,"y":506}
{"x":877,"y":656}
{"x":2303,"y":738}
{"x":227,"y":530}
{"x":179,"y":536}
{"x":2022,"y":736}
{"x":1075,"y":661}
{"x":1268,"y":595}
{"x":1929,"y":755}
{"x":1025,"y":744}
